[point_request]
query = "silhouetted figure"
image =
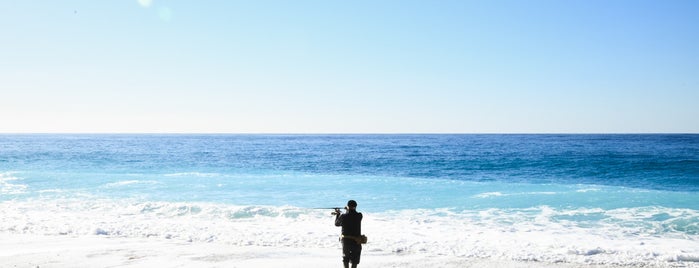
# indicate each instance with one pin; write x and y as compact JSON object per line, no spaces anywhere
{"x":351,"y":222}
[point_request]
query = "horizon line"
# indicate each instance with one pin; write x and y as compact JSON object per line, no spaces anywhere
{"x":349,"y":133}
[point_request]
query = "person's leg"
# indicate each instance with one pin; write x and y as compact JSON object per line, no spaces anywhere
{"x":346,"y":253}
{"x":355,"y":253}
{"x":346,"y":265}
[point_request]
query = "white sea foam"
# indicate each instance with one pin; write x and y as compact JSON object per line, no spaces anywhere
{"x":541,"y":234}
{"x":586,"y":190}
{"x":539,"y":193}
{"x":50,"y":191}
{"x":129,"y":182}
{"x":499,"y":194}
{"x":9,"y":185}
{"x":192,"y":174}
{"x":488,"y":194}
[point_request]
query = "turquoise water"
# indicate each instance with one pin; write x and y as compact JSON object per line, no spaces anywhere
{"x":619,"y":187}
{"x":422,"y":171}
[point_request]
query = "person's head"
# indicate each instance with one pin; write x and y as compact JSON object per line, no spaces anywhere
{"x":352,"y":205}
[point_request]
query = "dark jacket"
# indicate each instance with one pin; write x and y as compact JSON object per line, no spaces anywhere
{"x":351,"y":223}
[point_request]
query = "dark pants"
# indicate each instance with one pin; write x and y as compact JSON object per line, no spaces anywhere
{"x":351,"y":251}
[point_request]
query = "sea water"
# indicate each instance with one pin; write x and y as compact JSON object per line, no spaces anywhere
{"x":581,"y":199}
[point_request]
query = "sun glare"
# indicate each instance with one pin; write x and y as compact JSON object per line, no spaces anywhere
{"x":145,"y":3}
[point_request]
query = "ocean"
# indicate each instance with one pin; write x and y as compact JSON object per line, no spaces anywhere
{"x":622,"y":199}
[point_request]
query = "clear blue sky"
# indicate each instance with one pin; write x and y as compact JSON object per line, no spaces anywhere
{"x":349,"y":66}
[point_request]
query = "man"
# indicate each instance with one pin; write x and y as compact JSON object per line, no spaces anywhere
{"x":351,"y":223}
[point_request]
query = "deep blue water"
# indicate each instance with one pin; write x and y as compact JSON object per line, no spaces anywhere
{"x":667,"y":162}
{"x":430,"y":170}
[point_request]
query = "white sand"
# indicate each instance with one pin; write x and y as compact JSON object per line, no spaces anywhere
{"x":101,"y":251}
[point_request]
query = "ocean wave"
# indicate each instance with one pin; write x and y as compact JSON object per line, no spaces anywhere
{"x":587,"y":190}
{"x":543,"y":234}
{"x":685,"y":258}
{"x":50,"y":191}
{"x":192,"y":174}
{"x":9,"y":186}
{"x":488,"y":195}
{"x":129,"y":182}
{"x":499,"y":194}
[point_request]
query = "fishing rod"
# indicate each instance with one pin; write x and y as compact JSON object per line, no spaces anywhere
{"x":335,"y":212}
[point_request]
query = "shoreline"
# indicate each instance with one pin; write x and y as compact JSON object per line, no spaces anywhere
{"x":18,"y":250}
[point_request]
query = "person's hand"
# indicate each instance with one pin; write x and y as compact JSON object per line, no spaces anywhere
{"x":337,"y":212}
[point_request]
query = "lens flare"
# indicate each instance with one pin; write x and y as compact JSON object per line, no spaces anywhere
{"x":145,"y":3}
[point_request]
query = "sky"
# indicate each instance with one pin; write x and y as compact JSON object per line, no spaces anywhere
{"x":159,"y":66}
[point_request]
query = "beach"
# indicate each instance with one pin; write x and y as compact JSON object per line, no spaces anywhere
{"x":96,"y":251}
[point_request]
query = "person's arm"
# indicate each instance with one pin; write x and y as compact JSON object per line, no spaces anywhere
{"x":360,"y":225}
{"x":338,"y":218}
